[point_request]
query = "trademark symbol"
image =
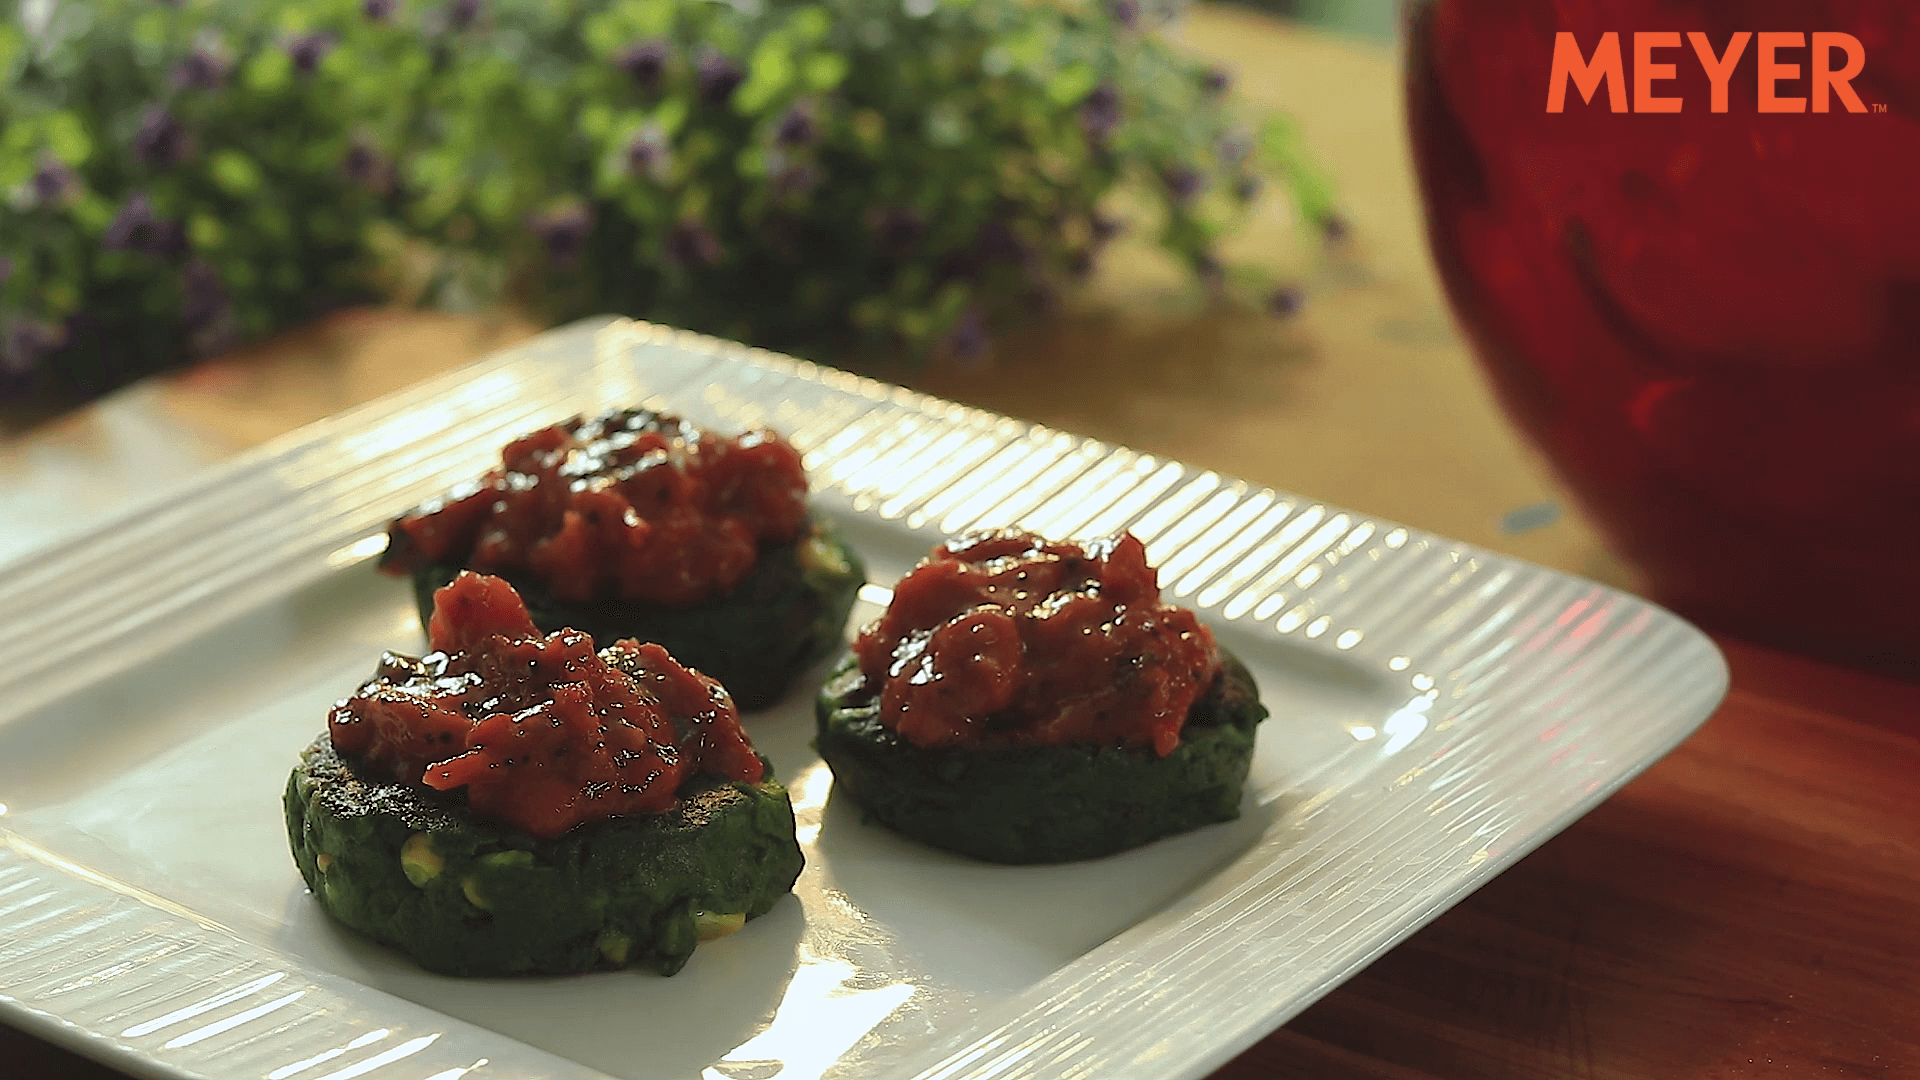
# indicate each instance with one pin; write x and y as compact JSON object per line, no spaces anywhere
{"x":1878,"y":106}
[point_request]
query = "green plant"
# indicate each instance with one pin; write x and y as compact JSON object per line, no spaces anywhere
{"x":841,"y":178}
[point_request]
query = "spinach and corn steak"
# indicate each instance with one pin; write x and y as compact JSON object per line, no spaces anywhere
{"x":519,"y":804}
{"x":636,"y":524}
{"x":1027,"y":701}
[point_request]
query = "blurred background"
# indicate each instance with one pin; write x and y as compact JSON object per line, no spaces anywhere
{"x":1355,"y":389}
{"x":1194,"y":229}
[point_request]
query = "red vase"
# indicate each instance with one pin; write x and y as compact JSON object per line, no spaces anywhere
{"x":1709,"y":321}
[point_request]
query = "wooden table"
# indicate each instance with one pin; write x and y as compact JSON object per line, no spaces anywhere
{"x":1748,"y":908}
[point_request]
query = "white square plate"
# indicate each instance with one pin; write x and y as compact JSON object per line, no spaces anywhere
{"x":1438,"y":711}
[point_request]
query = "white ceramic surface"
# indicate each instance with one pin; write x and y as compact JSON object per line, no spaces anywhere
{"x":1438,"y":712}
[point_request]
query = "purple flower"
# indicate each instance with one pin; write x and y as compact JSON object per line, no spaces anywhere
{"x":1209,"y":270}
{"x":308,"y":50}
{"x":1216,"y":81}
{"x":646,"y":61}
{"x":1234,"y":147}
{"x":205,"y":68}
{"x":203,"y":295}
{"x":1334,"y":228}
{"x":53,"y":182}
{"x":1100,"y":112}
{"x":1183,"y":182}
{"x":716,"y":77}
{"x":967,"y":341}
{"x":898,"y":230}
{"x":1284,"y":301}
{"x":1125,"y":12}
{"x":692,"y":245}
{"x":462,"y":14}
{"x":366,"y":166}
{"x":1104,"y":227}
{"x":378,"y":10}
{"x":1246,"y":188}
{"x":361,"y":162}
{"x":160,"y":140}
{"x":206,"y":311}
{"x":796,"y":128}
{"x":563,"y":232}
{"x":135,"y":228}
{"x":796,"y":180}
{"x":648,"y":154}
{"x":996,"y":242}
{"x":1042,"y":300}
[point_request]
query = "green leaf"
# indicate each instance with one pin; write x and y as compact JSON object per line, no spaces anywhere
{"x":913,"y":325}
{"x":12,"y":43}
{"x":67,"y":137}
{"x":605,"y":35}
{"x":544,"y":104}
{"x":17,"y":145}
{"x":234,"y":172}
{"x":20,"y":137}
{"x":268,"y":71}
{"x":493,"y":197}
{"x":92,"y":212}
{"x":810,"y":24}
{"x":611,"y":174}
{"x":1279,"y":149}
{"x":769,"y":73}
{"x":951,"y":301}
{"x":649,"y":18}
{"x":595,"y":120}
{"x":946,"y":125}
{"x":694,"y":202}
{"x":205,"y":232}
{"x":869,"y":313}
{"x":61,"y":298}
{"x":822,"y":72}
{"x":150,"y":29}
{"x":671,"y":114}
{"x":273,"y":222}
{"x":1073,"y":83}
{"x":871,"y":129}
{"x":1030,"y":49}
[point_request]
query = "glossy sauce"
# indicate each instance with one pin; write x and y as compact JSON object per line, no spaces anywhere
{"x":1004,"y":638}
{"x":542,"y":732}
{"x":636,"y":504}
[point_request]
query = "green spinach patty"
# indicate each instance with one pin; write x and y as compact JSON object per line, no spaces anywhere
{"x":787,"y":614}
{"x":415,"y":869}
{"x":1041,"y":804}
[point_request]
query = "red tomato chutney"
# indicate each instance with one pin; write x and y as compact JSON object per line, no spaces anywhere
{"x":1006,"y":639}
{"x":632,"y":503}
{"x":542,"y":731}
